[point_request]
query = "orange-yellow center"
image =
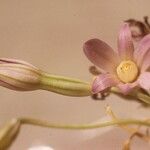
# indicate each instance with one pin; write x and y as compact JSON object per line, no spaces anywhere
{"x":127,"y":71}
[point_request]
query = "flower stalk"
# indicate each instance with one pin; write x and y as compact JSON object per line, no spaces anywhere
{"x":8,"y":133}
{"x":139,"y":94}
{"x":65,"y":86}
{"x":11,"y":129}
{"x":84,"y":126}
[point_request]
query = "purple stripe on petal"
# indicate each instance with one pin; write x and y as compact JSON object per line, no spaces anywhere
{"x":125,"y":44}
{"x":100,"y":54}
{"x":103,"y":82}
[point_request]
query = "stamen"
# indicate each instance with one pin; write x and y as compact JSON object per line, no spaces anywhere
{"x":127,"y":71}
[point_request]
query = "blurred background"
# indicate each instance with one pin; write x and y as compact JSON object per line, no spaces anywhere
{"x":50,"y":34}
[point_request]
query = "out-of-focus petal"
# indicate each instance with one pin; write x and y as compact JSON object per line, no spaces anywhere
{"x":103,"y":82}
{"x":127,"y":87}
{"x":125,"y":44}
{"x":138,"y":30}
{"x":144,"y":81}
{"x":142,"y":50}
{"x":146,"y":62}
{"x":101,"y":54}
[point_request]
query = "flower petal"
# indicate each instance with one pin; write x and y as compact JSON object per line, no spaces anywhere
{"x":102,"y":55}
{"x":16,"y":61}
{"x":125,"y":44}
{"x":146,"y":63}
{"x":143,"y":48}
{"x":103,"y":82}
{"x":127,"y":88}
{"x":144,"y":81}
{"x":9,"y":86}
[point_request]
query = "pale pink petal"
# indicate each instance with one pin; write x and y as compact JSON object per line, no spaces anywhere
{"x":142,"y":50}
{"x":16,"y":61}
{"x":102,"y":82}
{"x":10,"y":86}
{"x":127,"y":87}
{"x":100,"y":54}
{"x":144,"y":81}
{"x":125,"y":43}
{"x":146,"y":62}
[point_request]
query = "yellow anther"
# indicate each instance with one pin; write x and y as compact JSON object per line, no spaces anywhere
{"x":127,"y":71}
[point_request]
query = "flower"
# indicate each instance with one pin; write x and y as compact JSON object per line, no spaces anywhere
{"x":19,"y":75}
{"x":126,"y":69}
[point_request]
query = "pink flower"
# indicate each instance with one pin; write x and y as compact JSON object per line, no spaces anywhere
{"x":126,"y":69}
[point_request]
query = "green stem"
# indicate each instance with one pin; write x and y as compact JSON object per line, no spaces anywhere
{"x":137,"y":94}
{"x":65,"y":86}
{"x":37,"y":122}
{"x":143,"y":97}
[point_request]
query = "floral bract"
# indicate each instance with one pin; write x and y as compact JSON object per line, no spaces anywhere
{"x":126,"y":69}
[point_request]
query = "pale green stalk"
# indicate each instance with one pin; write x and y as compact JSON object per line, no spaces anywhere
{"x":143,"y":97}
{"x":84,"y":126}
{"x":11,"y":129}
{"x":136,"y":94}
{"x":8,"y":133}
{"x":64,"y":85}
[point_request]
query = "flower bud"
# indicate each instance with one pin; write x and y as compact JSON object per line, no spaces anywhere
{"x":19,"y":75}
{"x":8,"y":133}
{"x":22,"y":76}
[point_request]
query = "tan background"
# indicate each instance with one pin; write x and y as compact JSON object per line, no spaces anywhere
{"x":50,"y":35}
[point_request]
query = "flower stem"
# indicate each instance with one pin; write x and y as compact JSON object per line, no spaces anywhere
{"x":143,"y":97}
{"x":41,"y":123}
{"x":65,"y":86}
{"x":136,"y":94}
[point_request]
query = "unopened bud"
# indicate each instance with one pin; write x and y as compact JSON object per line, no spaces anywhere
{"x":19,"y":75}
{"x":8,"y":133}
{"x":22,"y":76}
